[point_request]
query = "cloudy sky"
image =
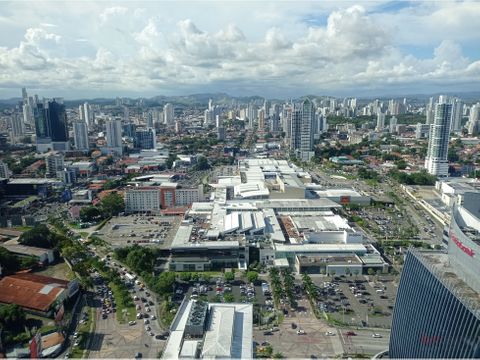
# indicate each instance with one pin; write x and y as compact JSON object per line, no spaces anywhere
{"x":275,"y":49}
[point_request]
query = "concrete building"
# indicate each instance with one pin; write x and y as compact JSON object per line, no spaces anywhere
{"x":436,"y":161}
{"x":457,"y":115}
{"x":45,"y":256}
{"x":422,"y":131}
{"x":211,"y":331}
{"x":17,"y":126}
{"x":393,"y":125}
{"x":54,"y":162}
{"x":473,"y":125}
{"x":142,"y":199}
{"x":114,"y":135}
{"x":80,"y":135}
{"x":154,"y":198}
{"x":4,"y":171}
{"x":380,"y":122}
{"x":168,"y":114}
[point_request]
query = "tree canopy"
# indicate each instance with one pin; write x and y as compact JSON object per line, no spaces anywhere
{"x":39,"y":236}
{"x":112,"y":204}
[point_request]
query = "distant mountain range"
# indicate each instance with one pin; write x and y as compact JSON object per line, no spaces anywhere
{"x":201,"y":100}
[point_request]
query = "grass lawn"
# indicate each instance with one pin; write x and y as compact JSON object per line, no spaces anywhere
{"x":121,"y":309}
{"x":59,"y":271}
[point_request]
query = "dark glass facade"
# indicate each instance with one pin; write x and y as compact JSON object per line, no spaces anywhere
{"x":42,"y":126}
{"x":430,"y":319}
{"x":57,"y":118}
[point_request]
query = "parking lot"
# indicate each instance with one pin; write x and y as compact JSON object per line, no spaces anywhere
{"x":300,"y":335}
{"x":220,"y":291}
{"x":139,"y":229}
{"x":358,"y":302}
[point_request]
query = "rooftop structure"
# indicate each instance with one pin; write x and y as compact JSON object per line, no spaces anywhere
{"x":227,"y":333}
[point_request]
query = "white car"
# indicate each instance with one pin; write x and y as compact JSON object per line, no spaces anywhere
{"x":153,"y":317}
{"x":301,"y":332}
{"x":77,"y":342}
{"x":330,"y":333}
{"x":75,"y":335}
{"x":132,"y":323}
{"x":377,"y":336}
{"x":147,"y":328}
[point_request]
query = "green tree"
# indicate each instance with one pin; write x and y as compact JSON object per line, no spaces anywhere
{"x":11,"y":316}
{"x":164,"y":283}
{"x":370,"y":271}
{"x":90,"y":213}
{"x":229,"y":298}
{"x":170,"y":160}
{"x":252,"y":276}
{"x":185,"y":276}
{"x":39,"y":236}
{"x":112,"y":204}
{"x":202,"y":163}
{"x":9,"y":262}
{"x":229,"y":276}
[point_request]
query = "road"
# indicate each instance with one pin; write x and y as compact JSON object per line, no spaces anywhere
{"x":363,"y":342}
{"x":114,"y":340}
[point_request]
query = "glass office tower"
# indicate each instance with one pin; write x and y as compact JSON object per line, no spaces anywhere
{"x":436,"y":314}
{"x":437,"y":310}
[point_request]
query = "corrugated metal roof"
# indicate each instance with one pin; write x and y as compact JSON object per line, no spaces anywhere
{"x":28,"y":290}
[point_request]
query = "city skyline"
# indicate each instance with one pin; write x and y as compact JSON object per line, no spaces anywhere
{"x":277,"y":49}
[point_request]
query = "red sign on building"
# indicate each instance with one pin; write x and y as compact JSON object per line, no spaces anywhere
{"x":462,"y":247}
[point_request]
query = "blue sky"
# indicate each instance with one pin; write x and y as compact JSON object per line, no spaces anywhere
{"x":275,"y":49}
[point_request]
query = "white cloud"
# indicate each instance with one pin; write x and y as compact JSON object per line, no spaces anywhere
{"x":112,"y":12}
{"x":124,"y":48}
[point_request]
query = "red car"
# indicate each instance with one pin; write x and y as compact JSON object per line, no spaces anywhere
{"x":350,"y":333}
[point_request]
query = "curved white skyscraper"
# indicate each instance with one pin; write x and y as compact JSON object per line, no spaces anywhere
{"x":436,"y":161}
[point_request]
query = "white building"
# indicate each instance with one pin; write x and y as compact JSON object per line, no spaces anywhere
{"x":80,"y":135}
{"x":17,"y":126}
{"x":436,"y":161}
{"x":168,"y":114}
{"x":142,"y":199}
{"x":89,"y":118}
{"x":380,"y":121}
{"x":302,"y":130}
{"x":211,"y":331}
{"x":393,"y":124}
{"x":474,"y":119}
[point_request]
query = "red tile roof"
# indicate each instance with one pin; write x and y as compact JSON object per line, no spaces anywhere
{"x":31,"y":291}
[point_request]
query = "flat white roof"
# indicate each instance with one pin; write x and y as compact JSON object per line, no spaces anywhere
{"x":229,"y":333}
{"x":321,"y":248}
